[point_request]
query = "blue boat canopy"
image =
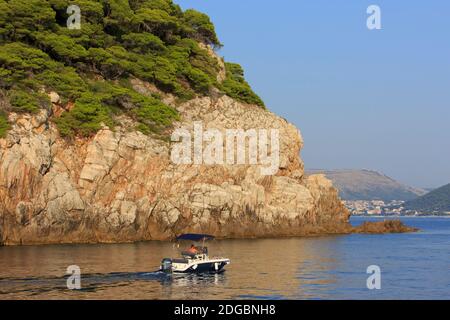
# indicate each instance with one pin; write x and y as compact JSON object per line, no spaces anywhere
{"x":195,"y":237}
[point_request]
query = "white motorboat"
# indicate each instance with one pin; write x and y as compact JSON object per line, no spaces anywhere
{"x":195,"y":261}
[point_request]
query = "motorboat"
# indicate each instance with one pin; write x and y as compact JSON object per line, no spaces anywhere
{"x":196,"y":260}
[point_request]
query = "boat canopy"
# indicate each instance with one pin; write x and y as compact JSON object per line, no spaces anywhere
{"x":195,"y":237}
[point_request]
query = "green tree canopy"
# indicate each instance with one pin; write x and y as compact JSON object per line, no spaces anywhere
{"x":154,"y":40}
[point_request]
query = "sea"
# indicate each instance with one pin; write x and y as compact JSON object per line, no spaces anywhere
{"x":356,"y":266}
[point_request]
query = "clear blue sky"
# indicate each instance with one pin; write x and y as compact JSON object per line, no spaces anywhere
{"x":363,"y":99}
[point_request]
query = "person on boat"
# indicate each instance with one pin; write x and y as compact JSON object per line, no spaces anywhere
{"x":193,"y":249}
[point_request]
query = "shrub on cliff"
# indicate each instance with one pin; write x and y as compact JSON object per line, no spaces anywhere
{"x":236,"y":87}
{"x":199,"y":26}
{"x":86,"y":117}
{"x":153,"y":40}
{"x":25,"y":101}
{"x":4,"y":125}
{"x":104,"y":100}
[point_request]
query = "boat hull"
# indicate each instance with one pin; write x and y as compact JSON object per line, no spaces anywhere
{"x":204,"y":267}
{"x":201,"y":265}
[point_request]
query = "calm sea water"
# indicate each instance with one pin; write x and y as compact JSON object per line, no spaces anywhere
{"x":413,"y":266}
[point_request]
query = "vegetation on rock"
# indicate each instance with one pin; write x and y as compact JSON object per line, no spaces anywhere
{"x":236,"y":87}
{"x":153,"y":40}
{"x":4,"y":125}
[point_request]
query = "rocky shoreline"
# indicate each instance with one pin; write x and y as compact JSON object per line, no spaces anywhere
{"x":386,"y":226}
{"x":121,"y":186}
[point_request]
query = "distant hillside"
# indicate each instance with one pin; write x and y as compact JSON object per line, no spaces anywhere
{"x":369,"y":185}
{"x":436,"y":201}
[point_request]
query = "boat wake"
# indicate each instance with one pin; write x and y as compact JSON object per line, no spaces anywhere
{"x":89,"y":282}
{"x":28,"y":287}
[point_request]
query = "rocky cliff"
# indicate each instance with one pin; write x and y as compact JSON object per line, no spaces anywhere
{"x":120,"y":185}
{"x":85,"y":154}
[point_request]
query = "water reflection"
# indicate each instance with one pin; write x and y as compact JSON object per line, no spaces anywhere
{"x":284,"y":268}
{"x":316,"y":273}
{"x":276,"y":268}
{"x":331,"y":267}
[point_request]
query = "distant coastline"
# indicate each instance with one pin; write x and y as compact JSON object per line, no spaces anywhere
{"x":400,"y":216}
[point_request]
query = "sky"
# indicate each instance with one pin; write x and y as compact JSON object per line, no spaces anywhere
{"x":363,"y":99}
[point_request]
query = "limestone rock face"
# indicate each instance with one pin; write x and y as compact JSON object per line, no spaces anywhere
{"x":121,"y":185}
